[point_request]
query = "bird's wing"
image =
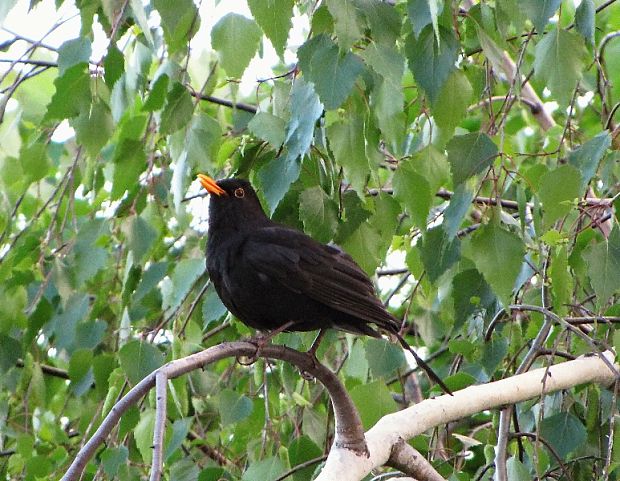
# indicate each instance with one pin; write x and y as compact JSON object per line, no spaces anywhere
{"x":325,"y":273}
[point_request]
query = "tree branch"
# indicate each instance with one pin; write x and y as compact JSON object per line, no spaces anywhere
{"x":347,"y":466}
{"x":348,"y":425}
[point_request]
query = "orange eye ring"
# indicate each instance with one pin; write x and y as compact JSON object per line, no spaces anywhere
{"x":239,"y":192}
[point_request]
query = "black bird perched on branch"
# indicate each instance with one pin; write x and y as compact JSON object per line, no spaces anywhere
{"x":275,"y":278}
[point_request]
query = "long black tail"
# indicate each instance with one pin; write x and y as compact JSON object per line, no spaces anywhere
{"x":431,"y":374}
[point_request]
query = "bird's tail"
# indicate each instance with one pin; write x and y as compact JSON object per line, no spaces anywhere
{"x":429,"y":371}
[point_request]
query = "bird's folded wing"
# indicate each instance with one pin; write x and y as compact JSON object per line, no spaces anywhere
{"x":324,"y":273}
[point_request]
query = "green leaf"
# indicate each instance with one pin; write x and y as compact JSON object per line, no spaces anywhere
{"x":362,"y":246}
{"x":269,"y":128}
{"x":140,"y":236}
{"x":178,"y":111}
{"x":540,"y":11}
{"x":584,"y":20}
{"x":112,"y":459}
{"x":157,"y":95}
{"x":470,"y":154}
{"x":422,"y":13}
{"x":303,"y":449}
{"x":129,"y":163}
{"x":319,"y":213}
{"x":277,"y":176}
{"x":274,"y":17}
{"x":233,"y":407}
{"x":180,"y":428}
{"x":94,"y":127}
{"x":151,"y":277}
{"x":452,"y":103}
{"x":457,"y":210}
{"x":564,"y":432}
{"x":212,"y":307}
{"x":383,"y":357}
{"x":561,"y":281}
{"x":186,"y":273}
{"x":332,"y":73}
{"x":373,"y":401}
{"x":79,"y":364}
{"x":498,"y":255}
{"x":138,"y":359}
{"x":113,"y":65}
{"x":180,"y":22}
{"x":143,"y":434}
{"x":587,"y":157}
{"x":429,"y":62}
{"x":384,"y":20}
{"x":558,"y":189}
{"x":72,"y":94}
{"x":492,"y":354}
{"x":348,"y":144}
{"x":10,"y":352}
{"x":268,"y":468}
{"x":438,"y":253}
{"x":516,"y":470}
{"x":203,"y":142}
{"x":73,"y":52}
{"x":184,"y":470}
{"x":236,"y":39}
{"x":604,"y":266}
{"x":471,"y":295}
{"x":34,"y":161}
{"x":559,"y":62}
{"x":346,"y":22}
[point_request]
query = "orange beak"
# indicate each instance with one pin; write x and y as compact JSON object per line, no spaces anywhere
{"x":210,"y":184}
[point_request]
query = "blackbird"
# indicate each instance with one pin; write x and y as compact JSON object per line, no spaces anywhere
{"x":275,"y":278}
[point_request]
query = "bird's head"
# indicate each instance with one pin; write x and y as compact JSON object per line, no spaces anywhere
{"x":233,"y":201}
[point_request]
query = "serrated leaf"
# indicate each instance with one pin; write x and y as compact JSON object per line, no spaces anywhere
{"x":138,"y":359}
{"x":584,"y":20}
{"x":332,"y":73}
{"x":233,"y":407}
{"x":72,"y":94}
{"x":413,"y":191}
{"x":383,"y":357}
{"x":347,"y":22}
{"x":269,"y":128}
{"x":430,"y":62}
{"x":113,"y":65}
{"x":438,"y":253}
{"x":587,"y":157}
{"x":558,"y":189}
{"x":274,"y":17}
{"x":72,"y":52}
{"x":453,"y":100}
{"x":516,"y":470}
{"x":603,"y":261}
{"x":129,"y":163}
{"x":179,"y":20}
{"x":471,"y":294}
{"x":470,"y":154}
{"x":94,"y":127}
{"x":185,"y":274}
{"x":140,"y":236}
{"x":561,"y":281}
{"x":349,"y":147}
{"x":498,"y":255}
{"x":236,"y":39}
{"x":143,"y":434}
{"x":362,"y":246}
{"x":319,"y":213}
{"x":559,"y":62}
{"x":178,"y":110}
{"x":34,"y":161}
{"x":157,"y":95}
{"x":564,"y":432}
{"x":420,"y":14}
{"x":540,"y":11}
{"x":112,"y":459}
{"x":212,"y":308}
{"x":277,"y":176}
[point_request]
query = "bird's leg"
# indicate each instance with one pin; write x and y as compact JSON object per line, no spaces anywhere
{"x":262,"y":341}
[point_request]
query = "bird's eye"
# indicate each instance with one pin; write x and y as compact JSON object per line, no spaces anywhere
{"x":239,"y":192}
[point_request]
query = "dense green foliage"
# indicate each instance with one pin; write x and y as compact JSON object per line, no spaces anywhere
{"x":400,"y":134}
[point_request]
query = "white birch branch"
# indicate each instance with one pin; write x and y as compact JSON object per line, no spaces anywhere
{"x":344,"y":465}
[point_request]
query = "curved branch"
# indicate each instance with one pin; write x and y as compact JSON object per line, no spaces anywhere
{"x":349,"y":432}
{"x":346,"y":466}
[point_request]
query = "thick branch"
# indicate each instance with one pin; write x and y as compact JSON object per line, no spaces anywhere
{"x":346,"y":466}
{"x":349,"y":433}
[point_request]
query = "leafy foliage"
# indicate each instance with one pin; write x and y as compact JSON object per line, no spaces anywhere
{"x":400,"y":131}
